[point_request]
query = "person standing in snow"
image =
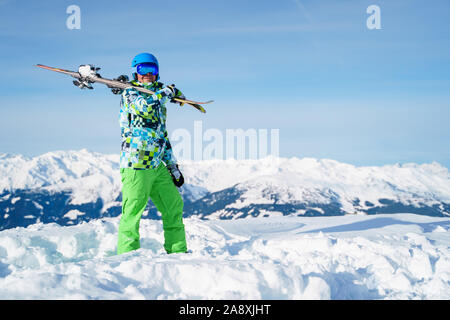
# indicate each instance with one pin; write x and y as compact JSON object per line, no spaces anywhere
{"x":147,"y":165}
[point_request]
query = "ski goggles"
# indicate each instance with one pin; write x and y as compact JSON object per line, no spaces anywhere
{"x":145,"y":68}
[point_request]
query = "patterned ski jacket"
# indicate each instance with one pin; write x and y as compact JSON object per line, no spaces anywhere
{"x":142,"y":119}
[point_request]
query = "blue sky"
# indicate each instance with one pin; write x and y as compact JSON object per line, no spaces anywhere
{"x":311,"y":69}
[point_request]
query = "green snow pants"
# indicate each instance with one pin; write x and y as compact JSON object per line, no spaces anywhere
{"x":137,"y":187}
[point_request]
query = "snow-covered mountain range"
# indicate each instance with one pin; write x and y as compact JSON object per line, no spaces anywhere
{"x":68,"y":187}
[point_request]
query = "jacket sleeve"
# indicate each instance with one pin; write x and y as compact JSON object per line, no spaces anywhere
{"x":138,"y":105}
{"x":168,"y":156}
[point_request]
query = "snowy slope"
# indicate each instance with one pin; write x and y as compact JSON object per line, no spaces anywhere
{"x":68,"y":187}
{"x":403,"y":256}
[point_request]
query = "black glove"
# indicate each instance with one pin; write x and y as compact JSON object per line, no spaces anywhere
{"x":175,"y":172}
{"x":122,"y":78}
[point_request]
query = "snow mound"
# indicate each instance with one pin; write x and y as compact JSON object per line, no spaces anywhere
{"x":402,"y":256}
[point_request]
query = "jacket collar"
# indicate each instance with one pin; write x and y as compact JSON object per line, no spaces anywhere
{"x":146,"y":85}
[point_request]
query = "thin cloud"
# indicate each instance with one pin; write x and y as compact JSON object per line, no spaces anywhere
{"x":260,"y":29}
{"x":304,"y":11}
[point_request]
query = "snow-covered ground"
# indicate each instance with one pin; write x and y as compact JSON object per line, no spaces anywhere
{"x":397,"y":256}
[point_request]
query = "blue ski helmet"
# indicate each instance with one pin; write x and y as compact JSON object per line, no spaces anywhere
{"x":144,"y":58}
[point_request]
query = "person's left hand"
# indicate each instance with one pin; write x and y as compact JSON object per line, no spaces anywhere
{"x":175,"y":172}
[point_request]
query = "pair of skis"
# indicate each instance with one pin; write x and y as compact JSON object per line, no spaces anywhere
{"x":85,"y":81}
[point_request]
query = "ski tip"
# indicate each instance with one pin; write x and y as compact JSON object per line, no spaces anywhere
{"x":43,"y":66}
{"x":201,"y":102}
{"x":200,"y":108}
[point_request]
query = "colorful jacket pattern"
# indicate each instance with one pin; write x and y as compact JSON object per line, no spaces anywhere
{"x":142,"y":119}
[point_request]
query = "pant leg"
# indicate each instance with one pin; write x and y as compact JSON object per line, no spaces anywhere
{"x":168,"y":201}
{"x":136,"y":186}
